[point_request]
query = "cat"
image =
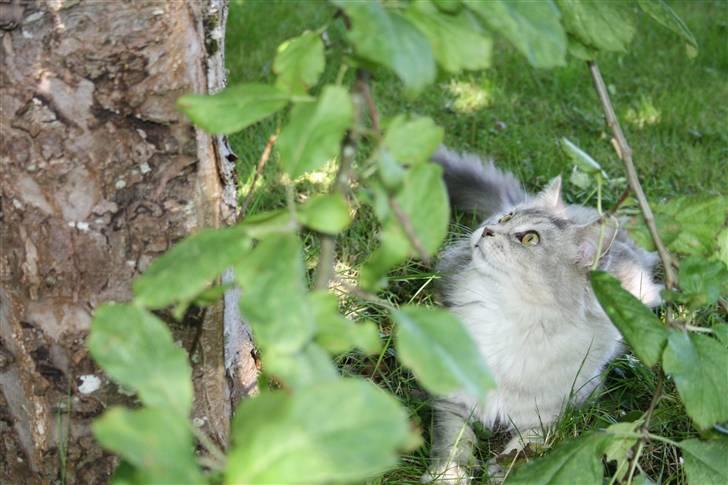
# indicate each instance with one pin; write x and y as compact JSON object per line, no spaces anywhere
{"x":520,"y":284}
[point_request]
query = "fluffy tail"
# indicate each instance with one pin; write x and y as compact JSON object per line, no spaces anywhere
{"x":476,"y":186}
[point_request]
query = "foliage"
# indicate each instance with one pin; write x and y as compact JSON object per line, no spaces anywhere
{"x":329,"y":428}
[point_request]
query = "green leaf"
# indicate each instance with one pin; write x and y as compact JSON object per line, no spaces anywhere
{"x":580,"y":50}
{"x":642,"y":330}
{"x":274,"y":301}
{"x":423,"y":201}
{"x":233,"y":108}
{"x":390,"y":171}
{"x":211,"y":295}
{"x":387,"y":38}
{"x":458,"y":42}
{"x":692,"y":224}
{"x":126,"y":474}
{"x":698,"y":366}
{"x":722,"y":252}
{"x":582,"y":159}
{"x":450,"y":6}
{"x":705,"y":461}
{"x":341,"y":431}
{"x":158,"y":443}
{"x":721,"y":332}
{"x":184,"y":271}
{"x":269,"y":223}
{"x":666,"y":16}
{"x":299,"y":62}
{"x":314,"y":133}
{"x":619,"y":444}
{"x":603,"y":25}
{"x":327,"y":213}
{"x":642,"y":479}
{"x":394,"y":249}
{"x":688,"y":225}
{"x":532,"y":27}
{"x":574,"y":461}
{"x":701,"y":280}
{"x":338,"y":334}
{"x":412,"y":141}
{"x":301,"y":369}
{"x":436,"y":347}
{"x":136,"y":350}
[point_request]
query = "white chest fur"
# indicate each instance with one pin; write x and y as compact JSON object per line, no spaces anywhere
{"x":541,"y":352}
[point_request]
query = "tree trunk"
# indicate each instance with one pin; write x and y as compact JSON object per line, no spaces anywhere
{"x":101,"y":174}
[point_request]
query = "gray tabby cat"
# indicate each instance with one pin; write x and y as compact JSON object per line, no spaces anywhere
{"x":520,"y":284}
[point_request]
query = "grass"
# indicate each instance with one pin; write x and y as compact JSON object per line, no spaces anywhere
{"x":674,"y":110}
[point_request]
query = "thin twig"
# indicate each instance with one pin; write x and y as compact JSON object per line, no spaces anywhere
{"x":327,"y":246}
{"x":258,"y":170}
{"x":363,"y":294}
{"x":612,"y":210}
{"x":399,"y":214}
{"x":409,"y":231}
{"x":363,"y":81}
{"x":645,"y":435}
{"x":625,"y":153}
{"x":653,"y":403}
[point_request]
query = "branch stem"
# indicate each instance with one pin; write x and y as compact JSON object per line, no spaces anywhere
{"x":625,"y":153}
{"x":325,"y":269}
{"x":409,"y":231}
{"x":258,"y":170}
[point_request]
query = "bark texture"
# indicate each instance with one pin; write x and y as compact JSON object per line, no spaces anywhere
{"x":99,"y":174}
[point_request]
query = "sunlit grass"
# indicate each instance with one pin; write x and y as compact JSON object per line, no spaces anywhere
{"x":468,"y":97}
{"x":644,"y":114}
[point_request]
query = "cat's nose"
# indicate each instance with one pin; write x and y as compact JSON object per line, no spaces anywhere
{"x":487,"y":232}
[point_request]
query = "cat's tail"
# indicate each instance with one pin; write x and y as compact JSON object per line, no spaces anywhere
{"x":476,"y":186}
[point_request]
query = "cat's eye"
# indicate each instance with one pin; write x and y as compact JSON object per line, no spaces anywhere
{"x":530,"y":238}
{"x":505,"y":218}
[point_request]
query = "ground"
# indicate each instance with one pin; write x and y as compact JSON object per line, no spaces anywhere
{"x":673,"y":108}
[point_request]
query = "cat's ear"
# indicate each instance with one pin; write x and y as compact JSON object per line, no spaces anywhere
{"x":587,"y":239}
{"x":551,"y":195}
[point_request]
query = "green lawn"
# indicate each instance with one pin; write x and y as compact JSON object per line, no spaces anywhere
{"x":674,"y":110}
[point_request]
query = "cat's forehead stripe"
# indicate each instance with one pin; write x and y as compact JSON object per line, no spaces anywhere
{"x":556,"y":221}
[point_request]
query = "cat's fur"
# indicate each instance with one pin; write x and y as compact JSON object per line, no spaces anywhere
{"x":530,"y":310}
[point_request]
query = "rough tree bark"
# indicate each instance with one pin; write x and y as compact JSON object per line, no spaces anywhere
{"x":99,"y":174}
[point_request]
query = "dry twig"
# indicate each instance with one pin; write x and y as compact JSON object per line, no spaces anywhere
{"x":625,"y":153}
{"x":258,"y":170}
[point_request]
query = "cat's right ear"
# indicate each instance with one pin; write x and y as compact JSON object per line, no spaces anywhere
{"x":550,"y":196}
{"x":587,"y":239}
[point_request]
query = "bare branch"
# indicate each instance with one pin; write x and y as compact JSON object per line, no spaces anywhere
{"x":258,"y":170}
{"x":613,"y":210}
{"x":409,"y":231}
{"x":365,"y":90}
{"x":400,"y":215}
{"x":625,"y":153}
{"x":327,"y":248}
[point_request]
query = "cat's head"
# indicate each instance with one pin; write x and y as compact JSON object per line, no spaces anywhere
{"x":537,"y":243}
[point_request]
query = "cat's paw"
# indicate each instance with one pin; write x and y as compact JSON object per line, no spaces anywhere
{"x":452,"y":474}
{"x":520,"y":441}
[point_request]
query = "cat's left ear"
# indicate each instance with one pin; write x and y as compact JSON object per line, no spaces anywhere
{"x":550,"y":196}
{"x":587,"y":240}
